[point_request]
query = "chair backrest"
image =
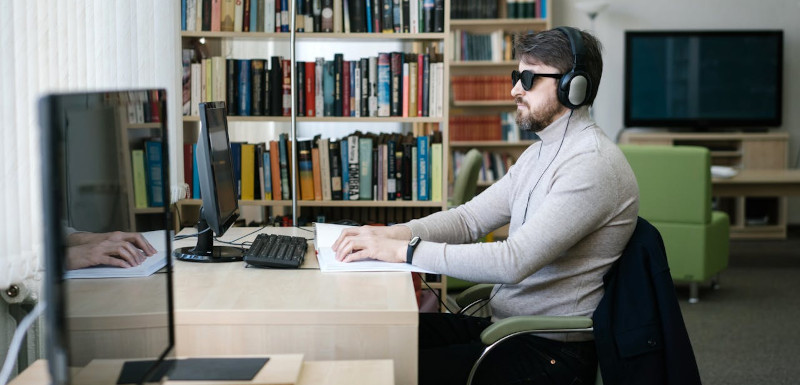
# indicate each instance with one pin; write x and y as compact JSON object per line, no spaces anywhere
{"x":466,"y":181}
{"x":674,"y":182}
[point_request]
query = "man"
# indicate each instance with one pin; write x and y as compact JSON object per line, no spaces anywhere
{"x":571,"y":201}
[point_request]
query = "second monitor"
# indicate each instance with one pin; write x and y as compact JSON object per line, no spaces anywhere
{"x":217,"y":189}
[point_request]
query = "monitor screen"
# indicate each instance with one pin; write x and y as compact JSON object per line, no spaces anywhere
{"x":107,"y":275}
{"x":217,"y":189}
{"x":703,"y":79}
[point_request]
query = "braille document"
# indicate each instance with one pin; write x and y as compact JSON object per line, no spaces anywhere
{"x":325,"y":235}
{"x":150,"y":265}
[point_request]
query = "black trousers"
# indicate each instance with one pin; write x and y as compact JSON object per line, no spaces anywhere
{"x":449,"y":344}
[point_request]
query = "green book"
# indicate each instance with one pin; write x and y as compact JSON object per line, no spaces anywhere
{"x":436,"y":172}
{"x":365,"y":168}
{"x":139,"y":179}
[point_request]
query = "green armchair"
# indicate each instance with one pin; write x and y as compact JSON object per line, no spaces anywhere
{"x":675,"y":196}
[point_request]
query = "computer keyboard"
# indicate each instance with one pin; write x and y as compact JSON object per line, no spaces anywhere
{"x":270,"y":250}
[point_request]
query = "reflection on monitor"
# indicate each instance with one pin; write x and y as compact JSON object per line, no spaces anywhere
{"x":217,"y":189}
{"x":94,"y":152}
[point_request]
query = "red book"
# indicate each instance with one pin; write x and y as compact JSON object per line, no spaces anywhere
{"x":310,"y":88}
{"x":216,"y":9}
{"x":246,"y":18}
{"x":188,"y":158}
{"x":346,"y":88}
{"x":286,"y":66}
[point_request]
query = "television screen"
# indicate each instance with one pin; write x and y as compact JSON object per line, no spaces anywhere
{"x":703,"y":79}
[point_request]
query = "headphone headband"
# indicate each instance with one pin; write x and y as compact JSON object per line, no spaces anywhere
{"x":574,"y":88}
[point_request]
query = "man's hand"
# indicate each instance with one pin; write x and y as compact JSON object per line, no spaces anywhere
{"x":108,"y":252}
{"x":114,"y":249}
{"x":376,"y":242}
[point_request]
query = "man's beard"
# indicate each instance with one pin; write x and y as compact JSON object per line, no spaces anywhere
{"x":537,"y":120}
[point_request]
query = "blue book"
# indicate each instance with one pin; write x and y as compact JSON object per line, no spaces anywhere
{"x":423,"y":169}
{"x":183,"y":15}
{"x":285,"y":15}
{"x":384,"y":84}
{"x":369,"y":16}
{"x":236,"y":159}
{"x":195,"y":174}
{"x":391,"y":170}
{"x":243,"y":76}
{"x":154,"y":165}
{"x":345,"y":166}
{"x":327,"y":87}
{"x":254,"y":16}
{"x":267,"y":176}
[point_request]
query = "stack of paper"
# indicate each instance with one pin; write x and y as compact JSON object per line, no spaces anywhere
{"x":325,"y":235}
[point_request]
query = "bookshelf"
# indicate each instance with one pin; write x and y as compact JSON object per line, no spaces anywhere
{"x":480,"y":63}
{"x":259,"y":44}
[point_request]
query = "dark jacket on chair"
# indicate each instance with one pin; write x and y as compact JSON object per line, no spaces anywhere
{"x":638,"y":327}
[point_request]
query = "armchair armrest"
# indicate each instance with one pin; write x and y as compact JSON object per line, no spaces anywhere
{"x":474,"y":295}
{"x":534,"y":324}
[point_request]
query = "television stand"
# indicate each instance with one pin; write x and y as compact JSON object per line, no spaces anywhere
{"x":753,"y":216}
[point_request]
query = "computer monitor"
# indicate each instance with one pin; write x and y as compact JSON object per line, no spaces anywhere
{"x":217,"y":189}
{"x":92,"y":147}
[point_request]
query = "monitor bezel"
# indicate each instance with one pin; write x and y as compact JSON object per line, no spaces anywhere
{"x":700,"y":123}
{"x":208,"y":191}
{"x":53,"y":187}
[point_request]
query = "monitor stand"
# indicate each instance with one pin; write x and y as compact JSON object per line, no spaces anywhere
{"x":205,"y":251}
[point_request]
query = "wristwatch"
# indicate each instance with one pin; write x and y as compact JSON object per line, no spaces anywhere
{"x":412,"y":244}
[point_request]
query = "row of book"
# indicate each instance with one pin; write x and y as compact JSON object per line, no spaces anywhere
{"x":481,"y":87}
{"x":148,"y":184}
{"x":487,"y":9}
{"x":380,"y":167}
{"x":389,"y":84}
{"x":140,"y":106}
{"x":495,"y":46}
{"x":502,"y":126}
{"x":493,"y":167}
{"x":524,"y":9}
{"x":368,"y":16}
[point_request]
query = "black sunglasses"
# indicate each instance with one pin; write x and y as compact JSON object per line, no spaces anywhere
{"x":528,"y":77}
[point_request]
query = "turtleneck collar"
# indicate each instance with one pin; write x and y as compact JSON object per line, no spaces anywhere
{"x":555,"y":131}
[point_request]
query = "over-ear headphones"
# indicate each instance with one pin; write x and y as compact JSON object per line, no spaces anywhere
{"x":575,"y":87}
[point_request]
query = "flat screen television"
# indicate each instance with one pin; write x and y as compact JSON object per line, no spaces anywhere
{"x":703,"y":80}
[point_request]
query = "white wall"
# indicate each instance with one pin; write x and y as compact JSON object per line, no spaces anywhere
{"x":623,"y":15}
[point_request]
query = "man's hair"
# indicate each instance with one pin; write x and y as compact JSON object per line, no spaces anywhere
{"x":552,"y":48}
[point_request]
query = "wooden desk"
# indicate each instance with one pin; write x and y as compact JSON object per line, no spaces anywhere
{"x":758,"y":183}
{"x":227,"y":309}
{"x":367,"y":372}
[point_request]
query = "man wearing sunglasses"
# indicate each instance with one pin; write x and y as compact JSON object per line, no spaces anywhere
{"x":571,"y":201}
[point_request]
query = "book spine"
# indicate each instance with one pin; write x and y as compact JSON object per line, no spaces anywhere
{"x":345,"y":167}
{"x":311,"y":84}
{"x":338,"y":62}
{"x":275,"y":169}
{"x":227,"y":15}
{"x":425,"y":84}
{"x":155,"y":181}
{"x":427,"y":15}
{"x":231,"y":85}
{"x":243,"y":72}
{"x":188,"y":176}
{"x":391,"y":172}
{"x":396,"y":67}
{"x":269,"y":16}
{"x":267,"y":155}
{"x":346,"y":75}
{"x":284,"y":166}
{"x":276,"y":86}
{"x":436,"y":172}
{"x":256,"y":87}
{"x":364,"y":66}
{"x":368,"y":16}
{"x":305,"y":170}
{"x":317,"y":172}
{"x":195,"y":174}
{"x":354,"y":176}
{"x":284,"y":15}
{"x":357,"y":16}
{"x":327,"y":15}
{"x":384,"y":84}
{"x":336,"y":170}
{"x":236,"y":158}
{"x":438,"y":16}
{"x":286,"y":66}
{"x":372,"y":98}
{"x":423,"y":187}
{"x":139,"y":179}
{"x":399,"y":176}
{"x":325,"y":168}
{"x":247,"y":173}
{"x":216,"y":13}
{"x":365,"y":168}
{"x":327,"y":88}
{"x":300,"y":91}
{"x":407,"y":161}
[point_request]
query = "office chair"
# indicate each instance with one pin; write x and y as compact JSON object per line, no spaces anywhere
{"x":464,"y":189}
{"x":638,"y":327}
{"x":675,"y":196}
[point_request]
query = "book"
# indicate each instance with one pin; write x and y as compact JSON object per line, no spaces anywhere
{"x":267,"y":173}
{"x":257,"y":86}
{"x":247,"y":171}
{"x":195,"y":174}
{"x":315,"y":168}
{"x":436,"y":171}
{"x":243,"y":72}
{"x":358,"y":16}
{"x":327,"y":15}
{"x":391,"y":170}
{"x":364,"y":168}
{"x":305,"y":170}
{"x":319,"y":71}
{"x":310,"y":88}
{"x":286,"y":67}
{"x":236,"y":158}
{"x":335,"y":169}
{"x":276,"y":86}
{"x":153,"y":171}
{"x":139,"y":179}
{"x":227,"y":15}
{"x":283,"y":155}
{"x":396,"y":84}
{"x":300,"y":91}
{"x":423,"y":187}
{"x":325,"y":167}
{"x":338,"y":63}
{"x":327,"y":88}
{"x":384,"y":84}
{"x":345,"y":167}
{"x":275,"y":170}
{"x":231,"y":87}
{"x":188,"y":164}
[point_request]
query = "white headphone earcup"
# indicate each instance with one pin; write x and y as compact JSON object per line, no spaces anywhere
{"x":578,"y":86}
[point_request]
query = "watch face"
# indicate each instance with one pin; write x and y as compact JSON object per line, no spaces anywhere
{"x":414,"y":241}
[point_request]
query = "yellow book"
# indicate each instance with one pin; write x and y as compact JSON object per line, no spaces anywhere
{"x":139,"y":178}
{"x":248,"y":171}
{"x":436,"y":172}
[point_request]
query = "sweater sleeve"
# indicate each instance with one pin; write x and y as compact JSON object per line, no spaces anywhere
{"x":581,"y":198}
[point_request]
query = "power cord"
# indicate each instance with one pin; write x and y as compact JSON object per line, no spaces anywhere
{"x":16,"y":341}
{"x":438,"y":297}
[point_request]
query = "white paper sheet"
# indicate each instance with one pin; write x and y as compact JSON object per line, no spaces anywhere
{"x":150,"y":265}
{"x":324,"y":236}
